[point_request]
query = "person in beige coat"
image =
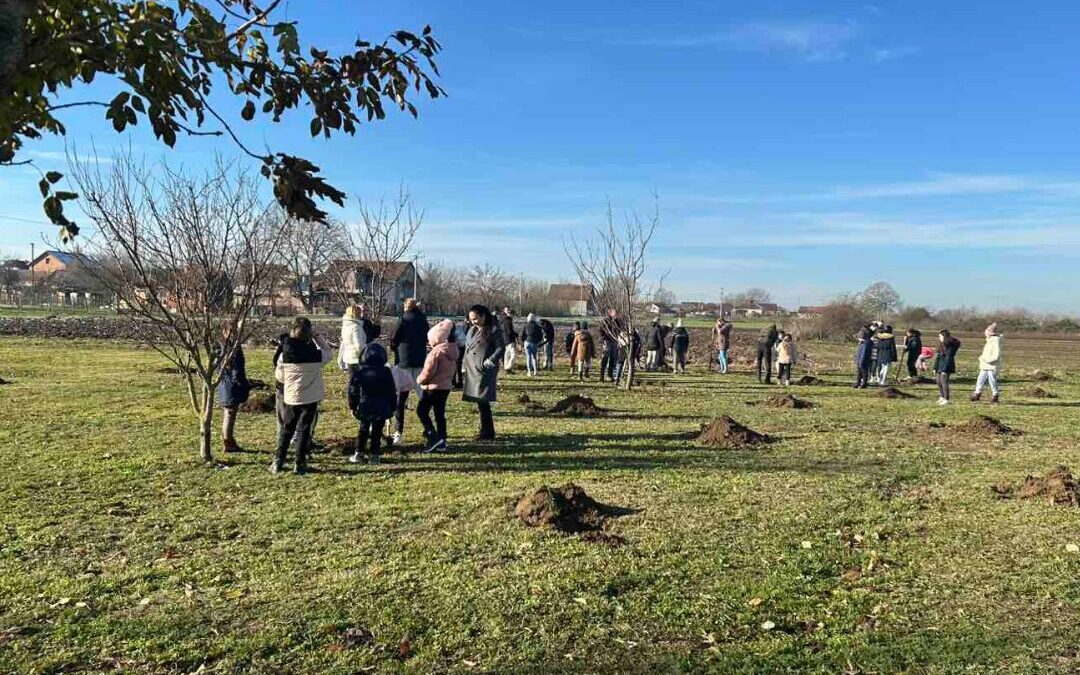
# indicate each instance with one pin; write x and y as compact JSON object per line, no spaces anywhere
{"x":583,"y":351}
{"x":786,"y":355}
{"x":990,"y":365}
{"x":298,"y":366}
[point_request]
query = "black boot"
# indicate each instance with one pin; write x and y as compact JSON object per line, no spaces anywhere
{"x":996,"y":398}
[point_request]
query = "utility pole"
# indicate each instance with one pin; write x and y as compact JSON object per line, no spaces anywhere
{"x":33,"y":291}
{"x":415,"y":276}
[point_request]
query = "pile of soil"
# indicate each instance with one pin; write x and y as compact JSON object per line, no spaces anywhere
{"x":1059,"y":485}
{"x":1043,"y":376}
{"x":810,"y":381}
{"x":919,"y":379}
{"x":981,"y":425}
{"x":259,"y":403}
{"x":568,"y":509}
{"x":785,"y":401}
{"x":1039,"y":392}
{"x":724,"y":432}
{"x":257,"y":385}
{"x":3,"y":381}
{"x":524,"y":398}
{"x":576,"y":405}
{"x":893,"y":392}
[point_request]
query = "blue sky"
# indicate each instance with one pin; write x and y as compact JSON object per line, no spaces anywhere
{"x":808,"y":147}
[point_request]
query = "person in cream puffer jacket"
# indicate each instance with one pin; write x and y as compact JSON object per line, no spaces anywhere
{"x":353,"y":337}
{"x":990,"y":365}
{"x":298,"y":367}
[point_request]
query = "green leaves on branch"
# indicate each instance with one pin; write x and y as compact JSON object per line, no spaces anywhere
{"x":166,"y":59}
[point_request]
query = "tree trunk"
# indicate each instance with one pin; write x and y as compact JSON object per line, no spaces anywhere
{"x":631,"y":370}
{"x":206,"y":426}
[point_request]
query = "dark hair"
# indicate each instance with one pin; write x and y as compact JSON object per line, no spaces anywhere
{"x":944,"y":332}
{"x":486,"y":320}
{"x":300,"y":329}
{"x":888,"y":329}
{"x":577,"y":325}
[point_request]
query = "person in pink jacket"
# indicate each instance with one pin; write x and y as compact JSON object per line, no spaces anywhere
{"x":436,"y":381}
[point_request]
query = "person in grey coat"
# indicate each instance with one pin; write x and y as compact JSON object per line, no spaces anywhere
{"x":484,"y":348}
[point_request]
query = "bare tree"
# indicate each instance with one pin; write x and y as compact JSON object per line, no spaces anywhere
{"x":183,"y":255}
{"x":614,"y":263}
{"x":376,"y":246}
{"x":307,"y":250}
{"x":750,"y":296}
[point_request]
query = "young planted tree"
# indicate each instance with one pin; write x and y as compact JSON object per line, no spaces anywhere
{"x":166,"y":63}
{"x":614,"y":264}
{"x":376,"y":246}
{"x":184,"y":255}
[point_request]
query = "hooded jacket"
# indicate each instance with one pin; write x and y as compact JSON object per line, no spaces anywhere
{"x":862,"y":352}
{"x":990,"y":359}
{"x":913,"y":347}
{"x":353,"y":341}
{"x":886,"y":348}
{"x":680,"y":339}
{"x":372,"y":393}
{"x":584,"y":346}
{"x":506,"y":325}
{"x":298,"y":366}
{"x":786,"y":352}
{"x":946,"y":356}
{"x":534,"y":332}
{"x":441,"y":362}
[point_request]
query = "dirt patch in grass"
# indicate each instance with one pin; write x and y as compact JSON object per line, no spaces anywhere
{"x":259,"y":403}
{"x":3,"y":381}
{"x":810,"y":381}
{"x":918,"y":380}
{"x":523,"y":399}
{"x":257,"y":385}
{"x":982,"y":425}
{"x":570,"y":510}
{"x":787,"y":401}
{"x":1043,"y":376}
{"x":1058,"y":486}
{"x":724,"y":432}
{"x":893,"y":392}
{"x":1039,"y":392}
{"x":577,"y":405}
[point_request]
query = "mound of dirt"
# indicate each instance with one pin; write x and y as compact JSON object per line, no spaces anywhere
{"x":1043,"y":376}
{"x":724,"y":432}
{"x":524,"y":398}
{"x":981,"y":425}
{"x":893,"y":392}
{"x":810,"y":381}
{"x":259,"y":403}
{"x":257,"y":385}
{"x":1039,"y":392}
{"x":919,"y":380}
{"x":1059,"y":485}
{"x":576,"y":405}
{"x":568,"y":509}
{"x":3,"y":381}
{"x":785,"y":401}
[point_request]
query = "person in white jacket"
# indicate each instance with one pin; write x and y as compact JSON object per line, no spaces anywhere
{"x":353,"y":337}
{"x":990,"y":365}
{"x":298,"y":366}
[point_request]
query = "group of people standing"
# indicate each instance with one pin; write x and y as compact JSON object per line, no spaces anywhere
{"x":776,"y":351}
{"x":876,"y":352}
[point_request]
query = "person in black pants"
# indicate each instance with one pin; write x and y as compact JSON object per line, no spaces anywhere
{"x":435,"y":380}
{"x":371,"y":398}
{"x":548,"y":344}
{"x":912,"y":349}
{"x":610,"y":330}
{"x":484,"y":350}
{"x":765,"y":353}
{"x":298,"y":366}
{"x":862,"y":359}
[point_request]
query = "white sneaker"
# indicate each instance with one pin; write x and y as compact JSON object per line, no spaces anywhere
{"x":396,"y":440}
{"x":356,"y":458}
{"x":943,"y":401}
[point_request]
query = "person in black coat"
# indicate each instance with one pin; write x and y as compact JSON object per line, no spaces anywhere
{"x":372,"y":397}
{"x":510,"y":338}
{"x":862,"y":358}
{"x":654,"y":346}
{"x":680,"y":346}
{"x":548,"y":343}
{"x":886,"y":353}
{"x":372,"y":330}
{"x":945,"y":364}
{"x":409,"y":343}
{"x":912,"y":349}
{"x":766,"y":340}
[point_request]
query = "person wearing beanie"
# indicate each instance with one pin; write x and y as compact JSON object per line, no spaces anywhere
{"x":990,"y":365}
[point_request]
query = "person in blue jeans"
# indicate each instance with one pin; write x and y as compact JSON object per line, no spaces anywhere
{"x":722,"y":343}
{"x":533,"y":334}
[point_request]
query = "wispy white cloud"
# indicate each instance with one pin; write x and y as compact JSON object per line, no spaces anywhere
{"x":818,"y":41}
{"x":884,"y":54}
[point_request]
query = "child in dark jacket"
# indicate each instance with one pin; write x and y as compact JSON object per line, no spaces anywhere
{"x":372,"y":395}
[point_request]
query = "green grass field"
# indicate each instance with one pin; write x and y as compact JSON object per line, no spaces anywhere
{"x":862,"y":541}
